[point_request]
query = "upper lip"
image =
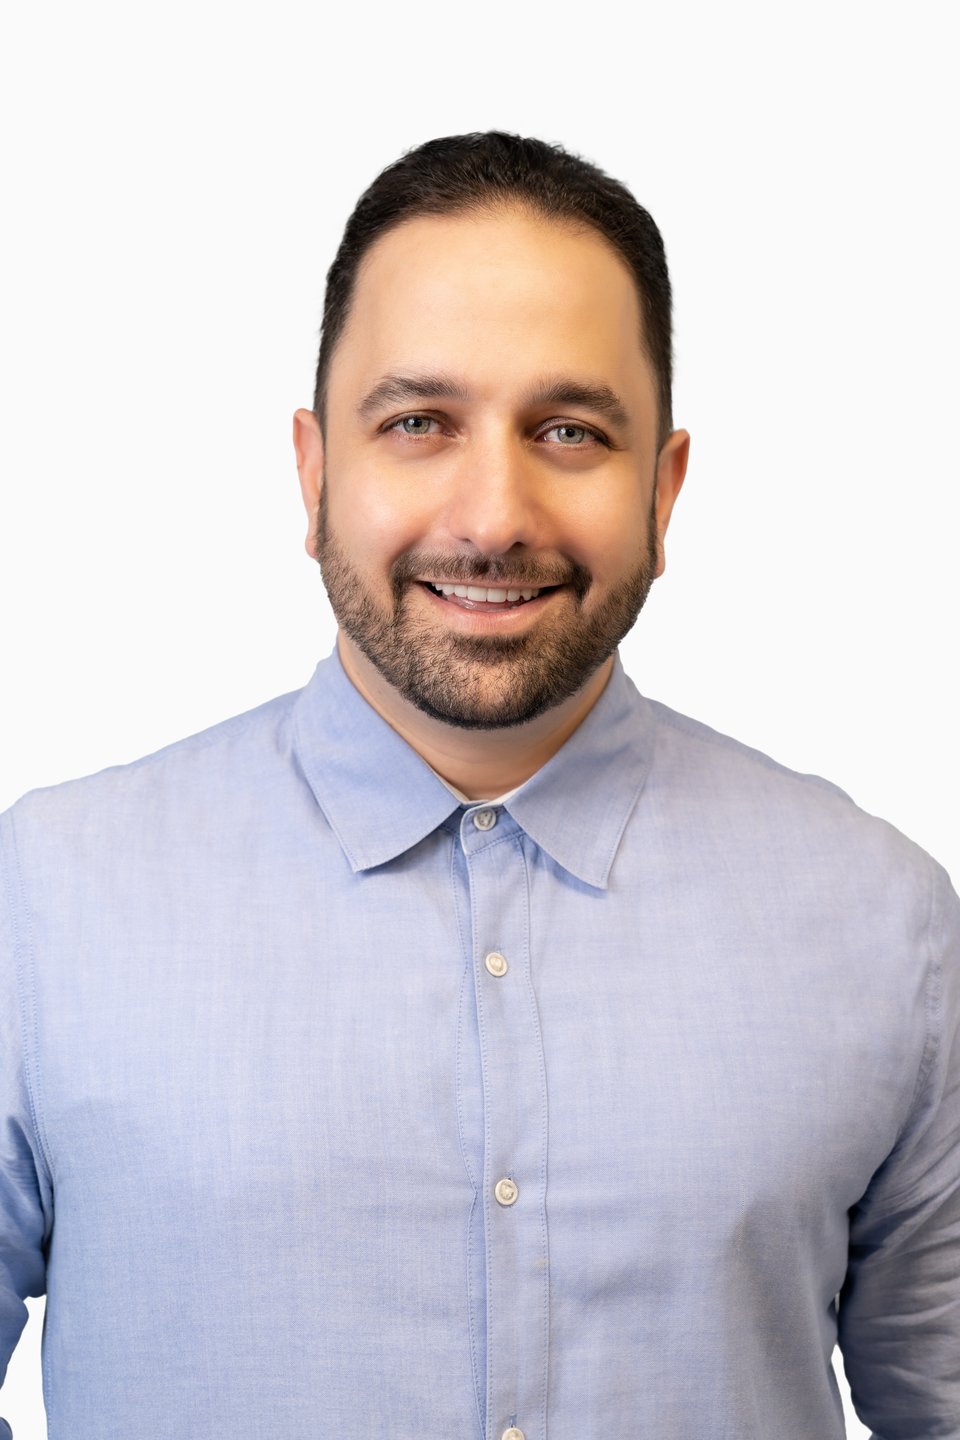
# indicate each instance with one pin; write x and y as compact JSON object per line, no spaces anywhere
{"x":490,"y":584}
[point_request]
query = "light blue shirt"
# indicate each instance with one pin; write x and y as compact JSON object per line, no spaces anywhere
{"x":332,"y":1107}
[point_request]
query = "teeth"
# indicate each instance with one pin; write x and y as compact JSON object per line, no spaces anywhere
{"x":491,"y":596}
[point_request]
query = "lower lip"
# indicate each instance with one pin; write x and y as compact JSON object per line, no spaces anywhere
{"x":479,"y":614}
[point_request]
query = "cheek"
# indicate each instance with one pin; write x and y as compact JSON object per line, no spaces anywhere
{"x":374,"y":521}
{"x":609,"y":536}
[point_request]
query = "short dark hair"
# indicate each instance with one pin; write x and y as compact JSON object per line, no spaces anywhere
{"x":491,"y":169}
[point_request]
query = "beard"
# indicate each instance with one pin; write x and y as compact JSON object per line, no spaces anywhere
{"x":482,"y":682}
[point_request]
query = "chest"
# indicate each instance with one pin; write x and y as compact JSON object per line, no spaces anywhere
{"x":685,"y":1058}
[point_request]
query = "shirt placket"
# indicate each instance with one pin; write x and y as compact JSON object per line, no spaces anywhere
{"x":515,"y":1127}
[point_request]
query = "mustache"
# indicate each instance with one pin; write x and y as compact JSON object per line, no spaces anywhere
{"x":521,"y":573}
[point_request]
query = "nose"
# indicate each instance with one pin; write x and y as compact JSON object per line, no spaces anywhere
{"x":493,"y":504}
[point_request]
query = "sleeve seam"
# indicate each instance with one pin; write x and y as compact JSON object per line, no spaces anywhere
{"x":933,"y":1003}
{"x":26,"y":992}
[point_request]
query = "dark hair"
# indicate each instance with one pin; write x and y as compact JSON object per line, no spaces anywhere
{"x":486,"y":170}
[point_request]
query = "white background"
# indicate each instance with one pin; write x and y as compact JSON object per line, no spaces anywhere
{"x":175,"y":180}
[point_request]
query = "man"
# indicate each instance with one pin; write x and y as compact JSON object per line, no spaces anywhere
{"x":464,"y":1044}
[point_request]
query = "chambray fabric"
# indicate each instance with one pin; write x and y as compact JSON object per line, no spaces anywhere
{"x":258,"y":1087}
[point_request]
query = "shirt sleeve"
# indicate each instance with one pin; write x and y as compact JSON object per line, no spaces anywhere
{"x":26,"y":1208}
{"x":899,"y":1309}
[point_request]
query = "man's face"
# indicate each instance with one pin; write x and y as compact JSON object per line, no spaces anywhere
{"x":491,"y":426}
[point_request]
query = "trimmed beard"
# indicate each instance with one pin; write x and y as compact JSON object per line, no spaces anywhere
{"x":482,"y":682}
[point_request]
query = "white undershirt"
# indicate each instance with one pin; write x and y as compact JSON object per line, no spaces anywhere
{"x":465,"y":799}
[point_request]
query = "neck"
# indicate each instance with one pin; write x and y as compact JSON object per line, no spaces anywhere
{"x":480,"y":763}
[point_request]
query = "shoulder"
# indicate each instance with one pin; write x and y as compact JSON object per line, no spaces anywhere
{"x":187,"y":775}
{"x":721,"y":760}
{"x":752,"y":803}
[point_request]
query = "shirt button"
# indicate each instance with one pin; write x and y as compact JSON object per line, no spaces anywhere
{"x":484,"y":819}
{"x":506,"y":1191}
{"x":496,"y":963}
{"x":513,"y":1434}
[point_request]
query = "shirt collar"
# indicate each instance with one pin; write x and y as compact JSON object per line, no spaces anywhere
{"x":381,"y":798}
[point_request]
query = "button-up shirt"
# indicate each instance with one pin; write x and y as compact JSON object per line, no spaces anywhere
{"x":332,"y":1106}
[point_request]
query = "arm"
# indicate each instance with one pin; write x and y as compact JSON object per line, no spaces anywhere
{"x":899,"y":1312}
{"x":26,"y":1196}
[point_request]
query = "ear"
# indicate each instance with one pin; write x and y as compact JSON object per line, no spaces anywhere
{"x":308,"y":443}
{"x":671,"y":468}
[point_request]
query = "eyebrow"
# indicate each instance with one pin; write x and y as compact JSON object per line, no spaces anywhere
{"x":398,"y":389}
{"x":566,"y":390}
{"x":557,"y":390}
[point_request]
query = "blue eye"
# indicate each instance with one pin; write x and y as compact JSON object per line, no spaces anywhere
{"x":574,"y":436}
{"x":413,"y":425}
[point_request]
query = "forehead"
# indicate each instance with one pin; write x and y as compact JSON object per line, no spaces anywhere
{"x":496,"y":296}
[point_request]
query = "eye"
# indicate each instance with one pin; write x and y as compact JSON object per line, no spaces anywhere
{"x":413,"y":425}
{"x":574,"y":436}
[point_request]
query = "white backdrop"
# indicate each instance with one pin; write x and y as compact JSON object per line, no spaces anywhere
{"x":175,"y":181}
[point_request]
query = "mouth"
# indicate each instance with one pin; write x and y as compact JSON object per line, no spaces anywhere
{"x":486,"y":597}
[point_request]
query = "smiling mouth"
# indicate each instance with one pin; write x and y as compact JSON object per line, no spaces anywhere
{"x":487,"y":595}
